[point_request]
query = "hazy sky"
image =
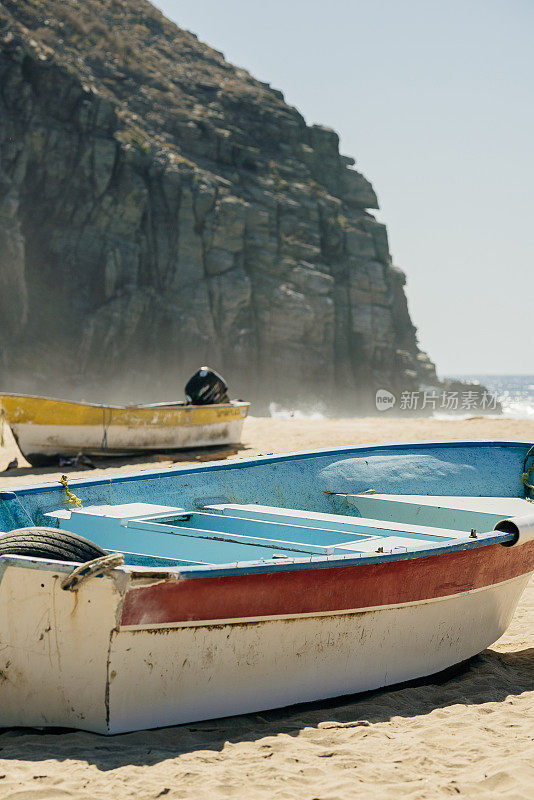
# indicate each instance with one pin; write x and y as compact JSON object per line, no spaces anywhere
{"x":435,"y":102}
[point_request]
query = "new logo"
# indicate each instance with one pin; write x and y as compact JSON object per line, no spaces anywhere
{"x":384,"y":400}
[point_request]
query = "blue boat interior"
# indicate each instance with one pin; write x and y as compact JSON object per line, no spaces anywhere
{"x":370,"y":502}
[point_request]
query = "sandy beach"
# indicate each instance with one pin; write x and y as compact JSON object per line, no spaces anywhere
{"x":323,"y":209}
{"x":467,"y":733}
{"x":264,"y":435}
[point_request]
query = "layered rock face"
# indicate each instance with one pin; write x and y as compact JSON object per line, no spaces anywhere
{"x":161,"y":208}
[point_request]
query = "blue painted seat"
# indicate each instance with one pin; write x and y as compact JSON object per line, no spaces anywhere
{"x":336,"y":522}
{"x":194,"y":538}
{"x":159,"y":535}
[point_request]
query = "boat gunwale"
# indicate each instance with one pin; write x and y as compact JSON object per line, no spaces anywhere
{"x":279,"y":565}
{"x":268,"y":565}
{"x":119,"y":407}
{"x":271,"y":458}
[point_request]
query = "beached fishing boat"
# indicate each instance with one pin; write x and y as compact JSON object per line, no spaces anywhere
{"x":46,"y":426}
{"x":247,"y":585}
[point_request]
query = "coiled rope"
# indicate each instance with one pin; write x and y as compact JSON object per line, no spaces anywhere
{"x":91,"y":569}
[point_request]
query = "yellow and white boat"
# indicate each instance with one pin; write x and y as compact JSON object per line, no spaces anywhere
{"x":46,"y":426}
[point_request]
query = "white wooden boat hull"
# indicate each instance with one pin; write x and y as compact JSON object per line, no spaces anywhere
{"x":201,"y":672}
{"x":51,"y":439}
{"x":46,"y":426}
{"x":241,"y":590}
{"x":66,"y":660}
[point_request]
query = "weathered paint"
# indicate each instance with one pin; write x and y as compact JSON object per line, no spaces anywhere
{"x":291,"y":480}
{"x":164,"y":677}
{"x":54,"y":648}
{"x":44,"y":425}
{"x":333,"y":589}
{"x":147,"y":647}
{"x":66,"y":661}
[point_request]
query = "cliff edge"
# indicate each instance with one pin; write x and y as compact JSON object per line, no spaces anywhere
{"x":161,"y":208}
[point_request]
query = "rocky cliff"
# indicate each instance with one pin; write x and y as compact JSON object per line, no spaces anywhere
{"x":161,"y":208}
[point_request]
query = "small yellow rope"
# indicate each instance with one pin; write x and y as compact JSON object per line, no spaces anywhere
{"x":71,"y":498}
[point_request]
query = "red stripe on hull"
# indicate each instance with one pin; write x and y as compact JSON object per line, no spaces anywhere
{"x":329,"y":589}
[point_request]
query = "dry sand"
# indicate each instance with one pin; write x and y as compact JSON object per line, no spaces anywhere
{"x":263,"y":435}
{"x":468,"y":733}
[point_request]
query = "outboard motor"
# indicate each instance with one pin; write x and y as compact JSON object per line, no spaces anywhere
{"x":206,"y":387}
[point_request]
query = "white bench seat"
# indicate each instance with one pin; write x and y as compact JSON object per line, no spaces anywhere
{"x":337,"y":522}
{"x":458,"y":513}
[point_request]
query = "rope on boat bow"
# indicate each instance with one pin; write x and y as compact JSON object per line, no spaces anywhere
{"x":91,"y":569}
{"x":71,"y":497}
{"x":525,"y":477}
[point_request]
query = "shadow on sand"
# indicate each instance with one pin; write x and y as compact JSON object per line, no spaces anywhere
{"x":488,"y":678}
{"x":53,"y":465}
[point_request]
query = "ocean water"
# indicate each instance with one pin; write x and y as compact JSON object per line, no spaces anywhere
{"x":515,"y":392}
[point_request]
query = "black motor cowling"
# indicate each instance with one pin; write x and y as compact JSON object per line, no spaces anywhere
{"x":206,"y":387}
